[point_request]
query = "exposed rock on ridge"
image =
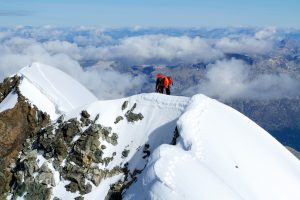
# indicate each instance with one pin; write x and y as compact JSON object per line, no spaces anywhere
{"x":16,"y":125}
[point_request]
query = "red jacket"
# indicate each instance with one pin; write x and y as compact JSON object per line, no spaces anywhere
{"x":167,"y":80}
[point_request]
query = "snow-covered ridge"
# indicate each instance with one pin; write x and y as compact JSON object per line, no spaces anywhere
{"x":52,"y":90}
{"x":220,"y":153}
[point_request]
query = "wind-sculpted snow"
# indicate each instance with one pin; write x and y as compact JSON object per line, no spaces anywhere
{"x":52,"y":90}
{"x":220,"y":154}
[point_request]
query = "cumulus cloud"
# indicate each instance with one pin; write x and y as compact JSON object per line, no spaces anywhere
{"x":109,"y":84}
{"x":260,"y":43}
{"x":97,"y":38}
{"x":63,"y":47}
{"x":156,"y":49}
{"x":245,"y":45}
{"x":266,"y":33}
{"x":231,"y":79}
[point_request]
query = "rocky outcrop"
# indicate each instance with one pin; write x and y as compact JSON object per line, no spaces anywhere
{"x":16,"y":125}
{"x":74,"y":148}
{"x":118,"y":119}
{"x":131,"y":116}
{"x":29,"y":179}
{"x":8,"y":85}
{"x":175,"y":136}
{"x":78,"y":143}
{"x":124,"y":105}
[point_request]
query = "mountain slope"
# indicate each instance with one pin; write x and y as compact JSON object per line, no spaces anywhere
{"x":51,"y":90}
{"x":147,"y":146}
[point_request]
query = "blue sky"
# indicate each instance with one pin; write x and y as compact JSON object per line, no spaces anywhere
{"x":160,"y":13}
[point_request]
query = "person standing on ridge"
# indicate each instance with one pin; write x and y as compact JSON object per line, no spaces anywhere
{"x":167,"y":84}
{"x":159,"y":88}
{"x":163,"y":82}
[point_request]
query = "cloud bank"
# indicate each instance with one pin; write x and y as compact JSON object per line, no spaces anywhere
{"x":156,"y":49}
{"x":231,"y":79}
{"x":70,"y":48}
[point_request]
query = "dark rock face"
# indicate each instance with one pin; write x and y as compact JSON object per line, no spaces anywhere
{"x":16,"y":125}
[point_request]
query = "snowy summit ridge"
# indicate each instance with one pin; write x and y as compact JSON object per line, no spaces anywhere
{"x":214,"y":153}
{"x":52,"y":90}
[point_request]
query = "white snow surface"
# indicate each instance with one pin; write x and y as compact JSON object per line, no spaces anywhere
{"x":52,"y":90}
{"x":9,"y":102}
{"x":220,"y":153}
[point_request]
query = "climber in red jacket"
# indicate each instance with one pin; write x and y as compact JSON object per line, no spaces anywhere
{"x":163,"y":82}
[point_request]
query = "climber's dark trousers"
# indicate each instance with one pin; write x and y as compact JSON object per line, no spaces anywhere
{"x":160,"y":89}
{"x":168,"y":92}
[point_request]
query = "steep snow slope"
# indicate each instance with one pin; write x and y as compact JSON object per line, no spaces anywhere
{"x":51,"y":90}
{"x":221,"y":154}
